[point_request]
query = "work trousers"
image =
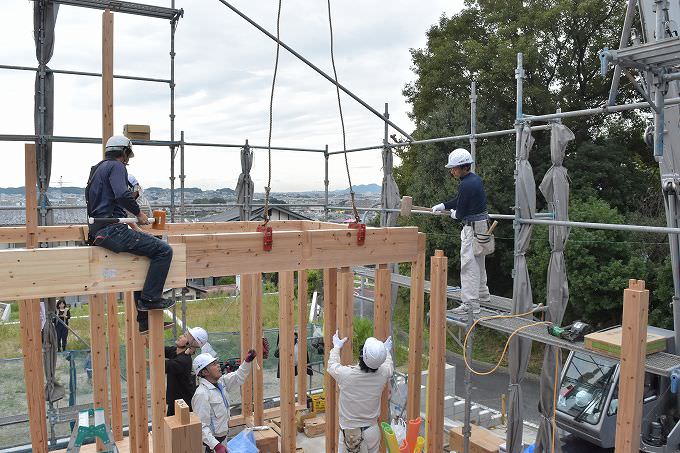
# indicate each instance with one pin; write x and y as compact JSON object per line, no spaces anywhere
{"x":472,"y":267}
{"x":370,"y":444}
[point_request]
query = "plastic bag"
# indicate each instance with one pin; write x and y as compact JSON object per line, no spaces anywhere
{"x":399,"y":428}
{"x":243,"y":442}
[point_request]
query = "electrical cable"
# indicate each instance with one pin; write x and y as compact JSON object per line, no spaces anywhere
{"x":267,"y":189}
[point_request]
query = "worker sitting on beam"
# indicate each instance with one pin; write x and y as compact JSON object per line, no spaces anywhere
{"x":361,"y":389}
{"x":107,"y":196}
{"x":211,"y":400}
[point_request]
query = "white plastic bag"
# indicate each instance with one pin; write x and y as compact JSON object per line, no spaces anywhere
{"x":399,"y":428}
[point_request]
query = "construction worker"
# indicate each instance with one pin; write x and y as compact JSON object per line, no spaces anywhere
{"x":469,"y":206}
{"x":108,"y":195}
{"x":211,"y":400}
{"x":180,"y":383}
{"x":361,"y":389}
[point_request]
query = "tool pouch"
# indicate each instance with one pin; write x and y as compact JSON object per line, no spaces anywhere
{"x":483,"y":244}
{"x":353,"y":438}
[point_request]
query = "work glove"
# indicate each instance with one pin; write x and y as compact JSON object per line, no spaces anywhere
{"x":438,"y":207}
{"x":453,"y":214}
{"x":220,"y":448}
{"x":251,"y":356}
{"x":388,"y":344}
{"x":337,"y":342}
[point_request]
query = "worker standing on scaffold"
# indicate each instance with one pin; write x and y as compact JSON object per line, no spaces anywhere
{"x":469,"y":206}
{"x":108,"y":195}
{"x":361,"y":389}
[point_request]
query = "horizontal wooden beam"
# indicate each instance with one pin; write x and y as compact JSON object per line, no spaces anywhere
{"x":71,"y":271}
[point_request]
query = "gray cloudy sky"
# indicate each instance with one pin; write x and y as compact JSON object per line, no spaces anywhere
{"x":223,"y":73}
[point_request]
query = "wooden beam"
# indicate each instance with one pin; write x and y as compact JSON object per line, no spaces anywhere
{"x":31,"y":179}
{"x":382,"y":315}
{"x":330,"y":299}
{"x":100,"y":394}
{"x":286,"y":345}
{"x":107,"y":77}
{"x":632,"y":377}
{"x":258,"y":372}
{"x":267,"y":414}
{"x":415,"y":339}
{"x":437,"y":353}
{"x":246,"y":337}
{"x":130,"y":316}
{"x":302,"y":338}
{"x":346,"y":313}
{"x":157,"y":371}
{"x":114,"y":367}
{"x":81,"y":270}
{"x":139,"y":350}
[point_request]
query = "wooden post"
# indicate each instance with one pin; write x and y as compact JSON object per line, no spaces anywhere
{"x":107,"y":77}
{"x":286,"y":344}
{"x":247,"y":340}
{"x":302,"y":338}
{"x":139,"y":350}
{"x":415,"y":339}
{"x":382,"y":316}
{"x":435,"y":379}
{"x":346,"y":312}
{"x":100,"y":394}
{"x":632,"y":377}
{"x":29,"y":320}
{"x":258,"y":376}
{"x":130,"y":370}
{"x":330,"y":294}
{"x":114,"y":367}
{"x":157,"y":370}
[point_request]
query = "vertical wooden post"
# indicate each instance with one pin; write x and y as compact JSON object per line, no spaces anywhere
{"x":130,"y":370}
{"x":346,"y":312}
{"x":330,"y":294}
{"x":139,"y":350}
{"x":114,"y":367}
{"x":258,"y":376}
{"x":246,"y":341}
{"x":302,"y":337}
{"x":382,"y":316}
{"x":435,"y":378}
{"x":100,"y":397}
{"x":107,"y":76}
{"x":632,"y":377}
{"x":286,"y":344}
{"x":415,"y":339}
{"x":29,"y":320}
{"x":157,"y":369}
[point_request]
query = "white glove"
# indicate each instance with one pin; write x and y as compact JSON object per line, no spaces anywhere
{"x":453,"y":214}
{"x":337,"y":342}
{"x":388,"y":344}
{"x":438,"y":207}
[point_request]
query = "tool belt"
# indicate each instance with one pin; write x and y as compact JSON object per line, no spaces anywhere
{"x":353,"y":438}
{"x":483,"y":243}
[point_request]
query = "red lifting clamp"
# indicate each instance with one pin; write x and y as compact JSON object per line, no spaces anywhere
{"x":361,"y":231}
{"x":268,"y":237}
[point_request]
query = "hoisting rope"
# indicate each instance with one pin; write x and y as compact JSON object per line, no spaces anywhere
{"x":342,"y":120}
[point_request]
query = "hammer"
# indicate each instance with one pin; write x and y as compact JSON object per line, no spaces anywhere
{"x":407,"y":207}
{"x":157,"y":221}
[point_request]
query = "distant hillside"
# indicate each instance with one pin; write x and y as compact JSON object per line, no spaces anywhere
{"x":361,"y":188}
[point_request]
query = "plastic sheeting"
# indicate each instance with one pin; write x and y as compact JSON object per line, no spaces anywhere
{"x":245,"y":188}
{"x":522,"y":298}
{"x":555,"y":189}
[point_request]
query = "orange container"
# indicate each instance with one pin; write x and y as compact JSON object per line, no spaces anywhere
{"x":413,"y":431}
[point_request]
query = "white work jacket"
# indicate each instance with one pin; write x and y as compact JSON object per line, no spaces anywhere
{"x":212,"y":405}
{"x":360,"y":392}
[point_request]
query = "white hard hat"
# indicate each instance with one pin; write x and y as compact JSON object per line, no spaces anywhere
{"x":199,"y":334}
{"x":132,"y":180}
{"x":201,"y":361}
{"x":119,"y":143}
{"x":583,"y":397}
{"x":459,"y":157}
{"x":374,"y":353}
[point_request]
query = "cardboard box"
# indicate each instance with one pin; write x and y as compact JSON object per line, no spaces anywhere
{"x":315,"y":427}
{"x":481,"y":440}
{"x":608,"y":342}
{"x":137,"y":131}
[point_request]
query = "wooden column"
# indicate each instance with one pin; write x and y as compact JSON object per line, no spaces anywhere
{"x":330,"y":294}
{"x":157,"y":371}
{"x":258,"y":374}
{"x":415,"y":339}
{"x":382,"y":316}
{"x":107,"y":76}
{"x":345,"y":313}
{"x":302,"y":338}
{"x":632,"y":377}
{"x":437,"y":351}
{"x":100,"y":394}
{"x":29,"y":320}
{"x":130,"y":370}
{"x":114,"y":367}
{"x":247,"y":340}
{"x":139,"y":350}
{"x":286,"y":344}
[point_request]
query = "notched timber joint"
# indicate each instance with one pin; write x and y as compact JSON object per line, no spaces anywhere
{"x":268,"y":240}
{"x":361,"y":231}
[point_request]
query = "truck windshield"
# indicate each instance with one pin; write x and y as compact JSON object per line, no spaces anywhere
{"x":585,"y":387}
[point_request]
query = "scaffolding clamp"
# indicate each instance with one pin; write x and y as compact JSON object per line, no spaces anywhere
{"x":268,"y":239}
{"x":361,"y":231}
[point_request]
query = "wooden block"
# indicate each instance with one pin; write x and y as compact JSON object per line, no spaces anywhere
{"x":316,"y":426}
{"x":415,"y":340}
{"x":267,"y":441}
{"x":182,"y":410}
{"x":481,"y":440}
{"x":405,"y":208}
{"x":301,"y":417}
{"x":137,"y":131}
{"x":183,"y":437}
{"x":608,"y":342}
